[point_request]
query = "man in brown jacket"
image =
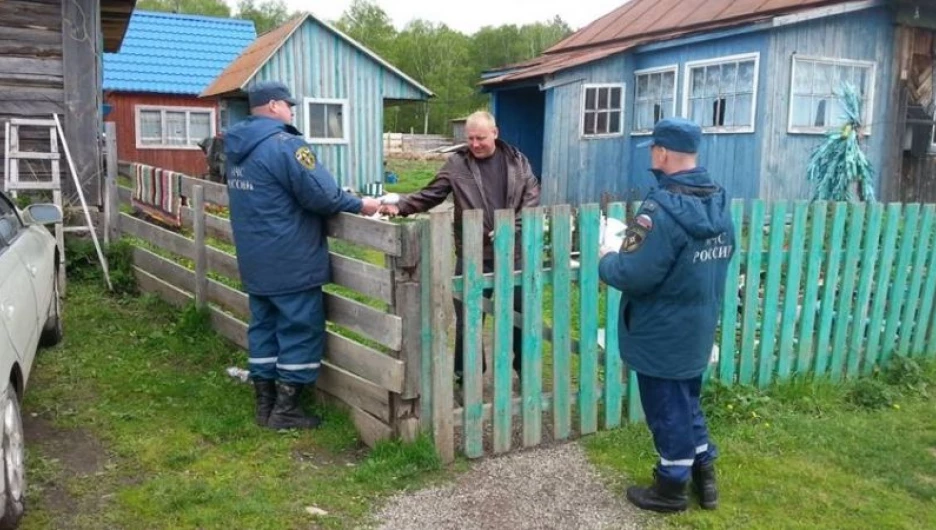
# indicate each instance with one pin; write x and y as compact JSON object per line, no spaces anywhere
{"x":487,"y":174}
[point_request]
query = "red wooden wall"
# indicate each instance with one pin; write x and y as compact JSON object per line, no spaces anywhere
{"x":189,"y":161}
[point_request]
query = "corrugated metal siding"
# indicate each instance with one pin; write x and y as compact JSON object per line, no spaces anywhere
{"x":732,"y":159}
{"x":123,"y":114}
{"x":576,"y":170}
{"x":317,"y":63}
{"x":866,"y":36}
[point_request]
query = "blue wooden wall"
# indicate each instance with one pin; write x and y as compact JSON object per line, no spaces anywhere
{"x":866,"y":36}
{"x":577,"y":170}
{"x":523,"y":110}
{"x":733,"y":159}
{"x":316,"y":62}
{"x":768,"y":163}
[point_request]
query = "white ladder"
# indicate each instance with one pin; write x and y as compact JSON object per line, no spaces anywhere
{"x":13,"y":182}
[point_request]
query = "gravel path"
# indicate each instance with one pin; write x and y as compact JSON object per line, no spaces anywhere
{"x":547,"y":488}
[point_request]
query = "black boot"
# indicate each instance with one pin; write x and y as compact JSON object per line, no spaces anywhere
{"x":266,"y":397}
{"x":287,"y":414}
{"x":663,"y":496}
{"x":703,"y":481}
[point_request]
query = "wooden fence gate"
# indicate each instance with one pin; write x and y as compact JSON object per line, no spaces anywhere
{"x":829,"y":289}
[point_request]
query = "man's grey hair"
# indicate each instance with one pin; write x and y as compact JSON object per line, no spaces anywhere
{"x":481,"y":118}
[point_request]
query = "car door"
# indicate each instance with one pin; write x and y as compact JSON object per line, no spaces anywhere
{"x":36,"y":249}
{"x":18,"y":307}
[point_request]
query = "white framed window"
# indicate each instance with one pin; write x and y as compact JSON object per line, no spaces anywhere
{"x":815,"y":86}
{"x":602,"y":110}
{"x":173,"y":127}
{"x":654,"y":97}
{"x":721,"y":94}
{"x":326,"y":120}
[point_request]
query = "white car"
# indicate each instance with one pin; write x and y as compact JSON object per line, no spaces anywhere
{"x":30,"y":317}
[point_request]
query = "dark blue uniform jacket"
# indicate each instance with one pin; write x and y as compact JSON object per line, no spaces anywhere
{"x":671,"y":271}
{"x":280,"y":199}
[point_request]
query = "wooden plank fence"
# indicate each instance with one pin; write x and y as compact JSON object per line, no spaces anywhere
{"x":827,"y":289}
{"x":367,"y":375}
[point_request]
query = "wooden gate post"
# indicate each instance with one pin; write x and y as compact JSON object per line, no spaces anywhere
{"x":443,"y":424}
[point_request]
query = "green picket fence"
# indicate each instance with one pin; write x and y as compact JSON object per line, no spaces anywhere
{"x":830,"y":289}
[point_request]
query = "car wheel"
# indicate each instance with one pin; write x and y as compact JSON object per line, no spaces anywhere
{"x":53,"y":332}
{"x":14,"y":467}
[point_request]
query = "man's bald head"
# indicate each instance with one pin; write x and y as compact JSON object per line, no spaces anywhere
{"x":481,"y":133}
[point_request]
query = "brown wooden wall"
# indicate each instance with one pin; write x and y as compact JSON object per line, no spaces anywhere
{"x":189,"y":161}
{"x":913,"y":177}
{"x":49,"y":53}
{"x":31,"y":76}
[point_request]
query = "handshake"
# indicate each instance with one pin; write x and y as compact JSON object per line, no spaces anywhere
{"x":386,"y":205}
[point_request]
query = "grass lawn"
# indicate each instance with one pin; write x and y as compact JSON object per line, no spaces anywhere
{"x":806,"y":455}
{"x":175,"y":442}
{"x":413,"y":174}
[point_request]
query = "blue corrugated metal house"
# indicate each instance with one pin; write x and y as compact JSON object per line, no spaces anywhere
{"x":759,"y":76}
{"x":152,"y":85}
{"x":341,"y":86}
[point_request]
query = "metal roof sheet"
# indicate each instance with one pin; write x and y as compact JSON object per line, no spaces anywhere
{"x":643,"y":18}
{"x":236,"y":76}
{"x":639,"y":22}
{"x":169,"y":53}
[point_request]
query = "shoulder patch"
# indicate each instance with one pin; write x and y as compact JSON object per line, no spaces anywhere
{"x":305,"y":157}
{"x":634,"y":238}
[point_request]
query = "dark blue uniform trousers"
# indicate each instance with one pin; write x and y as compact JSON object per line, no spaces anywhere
{"x":674,"y":415}
{"x":287,"y":336}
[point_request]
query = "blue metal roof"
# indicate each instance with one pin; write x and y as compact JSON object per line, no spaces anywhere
{"x":167,"y":53}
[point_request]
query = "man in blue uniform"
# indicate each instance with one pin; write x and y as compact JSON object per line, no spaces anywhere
{"x":671,"y":271}
{"x":280,"y":199}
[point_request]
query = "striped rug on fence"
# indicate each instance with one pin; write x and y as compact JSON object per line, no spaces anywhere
{"x":158,"y":193}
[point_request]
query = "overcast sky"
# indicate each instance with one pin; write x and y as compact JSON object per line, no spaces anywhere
{"x":470,"y":15}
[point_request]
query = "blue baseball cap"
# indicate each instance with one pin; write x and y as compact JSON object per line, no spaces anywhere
{"x":676,"y":134}
{"x":267,"y":91}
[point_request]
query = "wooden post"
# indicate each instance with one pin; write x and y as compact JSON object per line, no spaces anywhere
{"x":442,"y":361}
{"x":111,"y":198}
{"x":201,"y":251}
{"x":407,"y":304}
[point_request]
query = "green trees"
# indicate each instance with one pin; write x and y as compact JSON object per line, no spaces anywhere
{"x":444,"y":60}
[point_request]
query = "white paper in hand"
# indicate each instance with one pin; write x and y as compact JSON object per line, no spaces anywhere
{"x":390,"y":198}
{"x":612,"y":233}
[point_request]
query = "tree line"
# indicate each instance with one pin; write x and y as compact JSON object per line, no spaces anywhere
{"x":445,"y":60}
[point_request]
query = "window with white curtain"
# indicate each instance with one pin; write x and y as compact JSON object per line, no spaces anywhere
{"x":721,"y":93}
{"x":654,"y":97}
{"x":815,"y":89}
{"x":173,"y":127}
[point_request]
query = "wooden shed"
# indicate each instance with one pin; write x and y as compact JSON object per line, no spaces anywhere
{"x":342,"y":88}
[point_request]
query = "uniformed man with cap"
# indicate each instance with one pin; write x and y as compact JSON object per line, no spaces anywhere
{"x":280,"y":199}
{"x":671,"y":272}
